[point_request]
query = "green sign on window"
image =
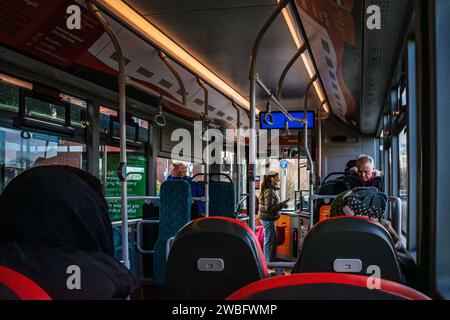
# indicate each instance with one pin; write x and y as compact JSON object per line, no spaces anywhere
{"x":136,"y":184}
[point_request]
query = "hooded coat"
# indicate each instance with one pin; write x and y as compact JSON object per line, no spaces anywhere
{"x":52,"y":222}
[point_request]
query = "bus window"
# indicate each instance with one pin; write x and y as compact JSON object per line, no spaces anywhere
{"x":163,"y":165}
{"x":21,"y":150}
{"x":9,"y":97}
{"x":403,"y":177}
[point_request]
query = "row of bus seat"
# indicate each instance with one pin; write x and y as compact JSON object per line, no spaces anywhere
{"x":175,"y":211}
{"x":211,"y":258}
{"x":219,"y":257}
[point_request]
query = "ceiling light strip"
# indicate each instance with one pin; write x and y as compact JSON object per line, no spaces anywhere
{"x":298,"y":42}
{"x":147,"y":29}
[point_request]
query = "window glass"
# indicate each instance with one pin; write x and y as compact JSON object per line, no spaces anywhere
{"x":163,"y":165}
{"x":45,"y":110}
{"x":78,"y":109}
{"x":9,"y":97}
{"x":21,"y":150}
{"x":288,"y":177}
{"x":403,"y":176}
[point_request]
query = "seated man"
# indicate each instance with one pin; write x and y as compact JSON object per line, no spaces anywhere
{"x":179,"y":171}
{"x":367,"y":176}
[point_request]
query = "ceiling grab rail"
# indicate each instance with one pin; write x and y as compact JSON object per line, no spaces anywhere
{"x":122,"y":169}
{"x":308,"y":154}
{"x":291,"y":62}
{"x":205,"y":125}
{"x":253,"y":81}
{"x":172,"y":69}
{"x":277,"y":103}
{"x":238,"y":152}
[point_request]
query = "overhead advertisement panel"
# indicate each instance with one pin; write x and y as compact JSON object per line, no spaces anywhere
{"x":336,"y":46}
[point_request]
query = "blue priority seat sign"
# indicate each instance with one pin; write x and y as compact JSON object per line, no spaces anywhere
{"x":284,"y":164}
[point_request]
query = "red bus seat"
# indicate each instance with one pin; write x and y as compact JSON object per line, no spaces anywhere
{"x":325,"y":286}
{"x":14,"y":285}
{"x":349,"y":244}
{"x":211,"y":258}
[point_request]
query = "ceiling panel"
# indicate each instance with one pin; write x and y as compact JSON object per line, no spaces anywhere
{"x":221,"y":33}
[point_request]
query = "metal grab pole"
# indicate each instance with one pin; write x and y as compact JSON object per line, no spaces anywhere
{"x":121,"y":79}
{"x":238,"y":151}
{"x":287,"y":68}
{"x":308,"y":154}
{"x":319,"y":144}
{"x":206,"y":163}
{"x":275,"y":100}
{"x":252,"y":77}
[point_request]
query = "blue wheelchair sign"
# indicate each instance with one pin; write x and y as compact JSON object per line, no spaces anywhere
{"x":284,"y":164}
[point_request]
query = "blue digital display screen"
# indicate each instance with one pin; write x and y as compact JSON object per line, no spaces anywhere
{"x":279,"y":120}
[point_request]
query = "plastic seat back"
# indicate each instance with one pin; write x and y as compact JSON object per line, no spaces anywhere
{"x":211,"y":258}
{"x":349,"y":245}
{"x":175,"y":211}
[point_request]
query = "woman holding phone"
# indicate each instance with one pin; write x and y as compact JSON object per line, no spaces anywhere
{"x":269,"y":211}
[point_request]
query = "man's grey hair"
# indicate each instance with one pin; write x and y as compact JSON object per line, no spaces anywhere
{"x":365,"y":158}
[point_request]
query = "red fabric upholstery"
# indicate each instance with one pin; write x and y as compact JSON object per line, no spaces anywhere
{"x":255,"y":239}
{"x":320,"y":278}
{"x":22,"y":286}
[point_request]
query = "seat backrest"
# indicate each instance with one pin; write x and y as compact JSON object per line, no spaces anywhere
{"x":222,"y":199}
{"x":349,"y":244}
{"x":211,"y":258}
{"x":174,"y":212}
{"x":325,"y":286}
{"x":14,"y":285}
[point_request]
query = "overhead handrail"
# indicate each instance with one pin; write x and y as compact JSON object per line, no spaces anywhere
{"x":166,"y":60}
{"x":252,"y":119}
{"x":291,"y":62}
{"x":122,"y":170}
{"x":277,"y":103}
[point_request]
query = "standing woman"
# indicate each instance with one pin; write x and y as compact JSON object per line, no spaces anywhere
{"x":269,"y":211}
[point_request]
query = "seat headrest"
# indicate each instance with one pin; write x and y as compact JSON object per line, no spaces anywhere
{"x":349,"y":244}
{"x":227,"y":227}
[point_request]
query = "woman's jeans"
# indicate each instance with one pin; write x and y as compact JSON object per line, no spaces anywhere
{"x":270,"y":239}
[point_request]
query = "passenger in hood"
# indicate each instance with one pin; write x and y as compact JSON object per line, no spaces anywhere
{"x":53,"y":218}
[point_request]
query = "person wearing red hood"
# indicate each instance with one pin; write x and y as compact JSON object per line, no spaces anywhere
{"x":367,"y":175}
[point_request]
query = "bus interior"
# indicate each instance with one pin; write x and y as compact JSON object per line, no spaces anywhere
{"x":127,"y":90}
